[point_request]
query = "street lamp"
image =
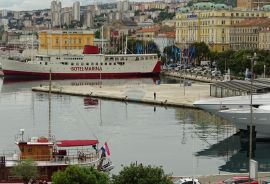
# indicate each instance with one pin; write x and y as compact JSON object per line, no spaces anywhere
{"x":252,"y":60}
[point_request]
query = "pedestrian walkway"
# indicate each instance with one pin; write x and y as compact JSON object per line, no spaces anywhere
{"x":164,"y":94}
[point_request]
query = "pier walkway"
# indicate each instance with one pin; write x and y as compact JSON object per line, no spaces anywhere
{"x":175,"y":95}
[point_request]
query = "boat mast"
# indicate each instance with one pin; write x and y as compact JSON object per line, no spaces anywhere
{"x":102,"y":42}
{"x":32,"y":55}
{"x":126,"y":46}
{"x":50,"y":90}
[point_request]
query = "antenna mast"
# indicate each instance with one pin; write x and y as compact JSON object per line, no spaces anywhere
{"x":50,"y":121}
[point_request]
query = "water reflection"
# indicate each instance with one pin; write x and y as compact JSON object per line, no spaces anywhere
{"x":235,"y":154}
{"x":12,"y":85}
{"x":206,"y":126}
{"x":160,"y":136}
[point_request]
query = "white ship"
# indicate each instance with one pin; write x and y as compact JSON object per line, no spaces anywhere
{"x":241,"y":118}
{"x":84,"y":66}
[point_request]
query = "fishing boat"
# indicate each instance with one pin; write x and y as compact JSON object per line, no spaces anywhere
{"x":90,"y":64}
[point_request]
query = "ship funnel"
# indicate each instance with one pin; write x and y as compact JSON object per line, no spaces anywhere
{"x":90,"y":49}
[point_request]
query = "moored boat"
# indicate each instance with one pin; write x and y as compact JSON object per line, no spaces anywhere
{"x":241,"y":119}
{"x":51,"y":155}
{"x":87,"y":65}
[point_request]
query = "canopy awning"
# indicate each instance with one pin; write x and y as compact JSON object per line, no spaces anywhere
{"x":74,"y":143}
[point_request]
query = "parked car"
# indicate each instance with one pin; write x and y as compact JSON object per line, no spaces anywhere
{"x":187,"y":181}
{"x":239,"y":180}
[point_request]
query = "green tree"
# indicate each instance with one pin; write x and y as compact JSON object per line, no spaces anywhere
{"x":97,"y":34}
{"x":233,"y":2}
{"x":139,"y":174}
{"x":80,"y":175}
{"x":202,"y":51}
{"x":25,"y":170}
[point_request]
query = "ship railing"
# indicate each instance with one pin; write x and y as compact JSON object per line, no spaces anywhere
{"x":79,"y":158}
{"x":8,"y":153}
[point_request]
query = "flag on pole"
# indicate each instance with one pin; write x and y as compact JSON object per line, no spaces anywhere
{"x":105,"y":149}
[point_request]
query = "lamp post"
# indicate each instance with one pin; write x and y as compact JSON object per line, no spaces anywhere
{"x":252,"y":60}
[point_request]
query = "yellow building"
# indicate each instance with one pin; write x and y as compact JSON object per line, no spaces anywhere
{"x":264,"y":38}
{"x":64,"y":41}
{"x":210,"y":23}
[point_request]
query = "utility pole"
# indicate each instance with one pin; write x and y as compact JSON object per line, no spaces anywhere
{"x":252,"y":60}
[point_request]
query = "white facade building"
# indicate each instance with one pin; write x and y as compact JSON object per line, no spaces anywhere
{"x":67,"y":15}
{"x":16,"y":15}
{"x":88,"y":19}
{"x":164,"y":40}
{"x":4,"y":13}
{"x":122,"y":6}
{"x":56,"y":12}
{"x":76,"y":11}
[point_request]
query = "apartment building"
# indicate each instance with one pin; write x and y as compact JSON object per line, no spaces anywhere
{"x":245,"y":35}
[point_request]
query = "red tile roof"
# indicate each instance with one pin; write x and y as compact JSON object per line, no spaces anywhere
{"x":253,"y":22}
{"x":149,"y":30}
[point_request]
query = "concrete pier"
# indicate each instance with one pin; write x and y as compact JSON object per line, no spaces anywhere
{"x":175,"y":95}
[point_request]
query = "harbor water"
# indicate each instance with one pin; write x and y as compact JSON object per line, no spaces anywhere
{"x":182,"y":141}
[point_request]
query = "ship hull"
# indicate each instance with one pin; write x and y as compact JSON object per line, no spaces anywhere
{"x":25,"y":74}
{"x":131,"y":69}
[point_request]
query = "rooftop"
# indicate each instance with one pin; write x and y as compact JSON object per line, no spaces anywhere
{"x":149,"y":30}
{"x":254,"y":22}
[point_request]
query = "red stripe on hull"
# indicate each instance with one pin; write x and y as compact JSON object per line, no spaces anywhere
{"x":78,"y":75}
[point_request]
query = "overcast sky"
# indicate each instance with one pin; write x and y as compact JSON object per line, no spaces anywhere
{"x":20,"y":5}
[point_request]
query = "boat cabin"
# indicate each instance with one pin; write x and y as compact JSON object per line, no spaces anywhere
{"x":37,"y":149}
